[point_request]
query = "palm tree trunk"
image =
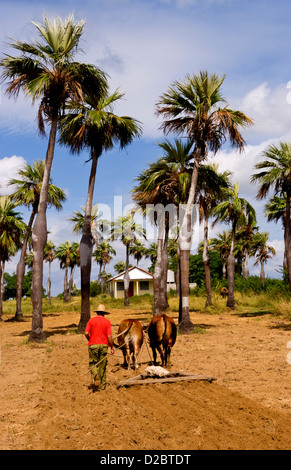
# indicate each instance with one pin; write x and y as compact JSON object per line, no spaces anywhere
{"x":177,"y":274}
{"x":39,"y":237}
{"x":206,"y":262}
{"x":262,"y":274}
{"x":223,"y":269}
{"x":165,"y":261}
{"x":66,"y":285}
{"x":49,"y":283}
{"x":230,"y":271}
{"x":185,"y":241}
{"x":2,"y":269}
{"x":245,"y":265}
{"x":71,"y":282}
{"x":158,"y":273}
{"x":287,"y":239}
{"x":86,"y":249}
{"x":126,"y":279}
{"x":20,"y":270}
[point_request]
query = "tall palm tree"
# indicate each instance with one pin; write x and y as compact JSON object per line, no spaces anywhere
{"x":46,"y":72}
{"x":137,"y":250}
{"x":275,"y":210}
{"x":125,"y":228}
{"x":121,"y":266}
{"x":160,"y":189}
{"x":221,"y":243}
{"x":98,"y":225}
{"x":27,"y":192}
{"x":245,"y":236}
{"x":102,"y":255}
{"x":12,"y":229}
{"x":233,"y":210}
{"x":49,"y":256}
{"x":74,"y":262}
{"x":275,"y":174}
{"x":92,"y":125}
{"x":262,"y":251}
{"x":68,"y":254}
{"x":210,"y":189}
{"x":193,"y":107}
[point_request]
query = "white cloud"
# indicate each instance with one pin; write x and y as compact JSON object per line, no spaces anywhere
{"x":270,"y":110}
{"x":9,"y":167}
{"x":17,"y":116}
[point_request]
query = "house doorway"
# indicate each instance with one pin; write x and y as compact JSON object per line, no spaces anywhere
{"x":130,"y":289}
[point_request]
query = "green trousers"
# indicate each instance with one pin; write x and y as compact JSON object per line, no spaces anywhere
{"x":96,"y":354}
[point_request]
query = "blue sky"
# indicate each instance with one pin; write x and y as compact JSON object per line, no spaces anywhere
{"x":144,"y":46}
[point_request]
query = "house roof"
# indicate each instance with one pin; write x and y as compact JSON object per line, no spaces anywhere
{"x":135,"y":273}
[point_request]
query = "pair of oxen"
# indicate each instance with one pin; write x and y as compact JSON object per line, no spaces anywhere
{"x":162,"y":333}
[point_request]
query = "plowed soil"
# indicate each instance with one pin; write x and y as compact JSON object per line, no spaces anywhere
{"x":46,"y":399}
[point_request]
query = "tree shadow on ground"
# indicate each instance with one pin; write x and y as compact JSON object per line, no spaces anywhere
{"x":280,"y":325}
{"x":259,"y":313}
{"x":63,"y":330}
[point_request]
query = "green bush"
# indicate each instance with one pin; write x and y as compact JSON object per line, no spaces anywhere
{"x":95,"y":288}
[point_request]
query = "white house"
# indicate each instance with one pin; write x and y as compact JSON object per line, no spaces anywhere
{"x":141,"y":282}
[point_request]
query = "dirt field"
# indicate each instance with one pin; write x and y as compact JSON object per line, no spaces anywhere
{"x":46,"y":401}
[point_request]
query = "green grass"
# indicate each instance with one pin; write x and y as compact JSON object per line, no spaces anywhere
{"x":247,"y":304}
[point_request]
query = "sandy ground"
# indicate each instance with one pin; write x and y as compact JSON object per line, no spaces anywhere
{"x":46,"y":401}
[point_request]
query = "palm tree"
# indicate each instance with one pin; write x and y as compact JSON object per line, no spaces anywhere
{"x":221,"y":243}
{"x":193,"y":107}
{"x":210,"y":187}
{"x":46,"y":72}
{"x":121,"y":266}
{"x":28,"y":187}
{"x":125,"y":228}
{"x":103,"y":256}
{"x":151,"y":253}
{"x":49,"y":256}
{"x":160,"y":189}
{"x":275,"y":210}
{"x":74,"y":262}
{"x":137,"y":250}
{"x":245,"y":236}
{"x":233,"y":210}
{"x":263,"y":252}
{"x":92,"y":125}
{"x":12,"y":229}
{"x":275,"y":174}
{"x":68,"y":255}
{"x":98,"y":226}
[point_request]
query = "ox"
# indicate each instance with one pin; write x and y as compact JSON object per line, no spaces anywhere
{"x":130,"y":338}
{"x":224,"y":292}
{"x":162,"y":333}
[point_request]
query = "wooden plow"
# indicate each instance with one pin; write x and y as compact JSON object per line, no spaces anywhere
{"x":170,"y":377}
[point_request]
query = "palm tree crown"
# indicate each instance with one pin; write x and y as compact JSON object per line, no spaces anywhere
{"x":192,"y":107}
{"x":28,"y":187}
{"x":92,"y":124}
{"x":12,"y":228}
{"x":275,"y":171}
{"x":45,"y":69}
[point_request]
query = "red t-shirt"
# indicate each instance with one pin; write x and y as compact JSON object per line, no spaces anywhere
{"x":99,"y":328}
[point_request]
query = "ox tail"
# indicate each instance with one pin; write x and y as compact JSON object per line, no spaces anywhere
{"x":165,"y":326}
{"x":123,"y":332}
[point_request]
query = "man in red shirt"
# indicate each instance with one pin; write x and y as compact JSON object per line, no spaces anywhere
{"x":99,"y":334}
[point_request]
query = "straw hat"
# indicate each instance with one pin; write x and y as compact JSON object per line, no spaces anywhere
{"x":101,"y":309}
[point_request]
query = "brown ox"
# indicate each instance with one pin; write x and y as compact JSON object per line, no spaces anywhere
{"x":223,"y":292}
{"x":162,"y":333}
{"x":131,"y":337}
